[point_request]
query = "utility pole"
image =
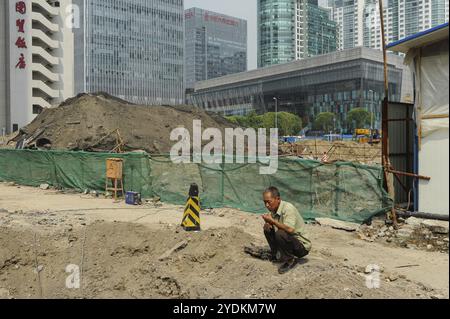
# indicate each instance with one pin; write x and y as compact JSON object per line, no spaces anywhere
{"x":385,"y":121}
{"x":372,"y":109}
{"x":385,"y":125}
{"x":276,"y":111}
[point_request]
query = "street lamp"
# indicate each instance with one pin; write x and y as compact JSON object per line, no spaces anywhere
{"x":371,"y":109}
{"x":276,"y":112}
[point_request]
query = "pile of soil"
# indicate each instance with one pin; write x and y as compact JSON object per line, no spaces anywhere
{"x":211,"y":264}
{"x":348,"y":151}
{"x":90,"y":122}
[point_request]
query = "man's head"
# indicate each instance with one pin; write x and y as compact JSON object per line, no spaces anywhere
{"x":272,"y":199}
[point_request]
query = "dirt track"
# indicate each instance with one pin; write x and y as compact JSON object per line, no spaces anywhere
{"x":118,"y":248}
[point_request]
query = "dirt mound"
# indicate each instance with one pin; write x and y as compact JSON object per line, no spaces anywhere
{"x":123,"y":260}
{"x":337,"y":151}
{"x":99,"y":122}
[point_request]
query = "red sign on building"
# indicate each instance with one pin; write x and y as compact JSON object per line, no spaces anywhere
{"x":220,"y":19}
{"x":21,"y":8}
{"x":20,"y":24}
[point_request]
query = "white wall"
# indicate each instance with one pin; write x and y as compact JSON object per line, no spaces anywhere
{"x":433,"y":101}
{"x":50,"y":75}
{"x":3,"y":64}
{"x":20,"y":79}
{"x":434,"y":162}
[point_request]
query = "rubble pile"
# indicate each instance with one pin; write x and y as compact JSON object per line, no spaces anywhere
{"x":412,"y":233}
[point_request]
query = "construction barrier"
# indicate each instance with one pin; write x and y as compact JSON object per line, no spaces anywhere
{"x":191,"y":216}
{"x":345,"y":191}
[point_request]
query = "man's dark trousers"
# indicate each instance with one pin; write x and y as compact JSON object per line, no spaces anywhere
{"x":286,"y":244}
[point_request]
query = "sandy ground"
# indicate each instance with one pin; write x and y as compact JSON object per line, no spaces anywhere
{"x":117,"y":247}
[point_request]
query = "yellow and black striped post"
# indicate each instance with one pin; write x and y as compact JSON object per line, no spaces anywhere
{"x":191,"y":217}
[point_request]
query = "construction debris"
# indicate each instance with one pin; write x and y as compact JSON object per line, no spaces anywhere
{"x":177,"y":247}
{"x":414,"y":233}
{"x":346,"y":151}
{"x":255,"y":251}
{"x":337,"y":224}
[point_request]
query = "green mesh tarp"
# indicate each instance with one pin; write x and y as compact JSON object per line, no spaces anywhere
{"x":345,"y":191}
{"x":72,"y":170}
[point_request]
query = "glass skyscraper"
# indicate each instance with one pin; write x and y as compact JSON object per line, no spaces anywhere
{"x":322,"y":36}
{"x":292,"y":30}
{"x":276,"y":31}
{"x":215,"y":45}
{"x":132,"y":49}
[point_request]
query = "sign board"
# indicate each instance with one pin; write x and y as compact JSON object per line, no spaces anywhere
{"x":20,"y":61}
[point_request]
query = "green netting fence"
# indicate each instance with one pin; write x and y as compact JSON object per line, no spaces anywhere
{"x":345,"y":191}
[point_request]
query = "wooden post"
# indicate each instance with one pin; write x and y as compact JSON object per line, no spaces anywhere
{"x":385,"y":117}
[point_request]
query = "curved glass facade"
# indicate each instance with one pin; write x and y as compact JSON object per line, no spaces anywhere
{"x":276,"y":32}
{"x":337,"y":83}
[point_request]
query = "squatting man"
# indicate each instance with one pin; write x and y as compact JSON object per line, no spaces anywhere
{"x":284,"y":229}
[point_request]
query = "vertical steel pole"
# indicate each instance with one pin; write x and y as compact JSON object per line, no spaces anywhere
{"x":385,"y":126}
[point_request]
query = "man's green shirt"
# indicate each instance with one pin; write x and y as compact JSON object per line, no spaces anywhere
{"x":288,"y":215}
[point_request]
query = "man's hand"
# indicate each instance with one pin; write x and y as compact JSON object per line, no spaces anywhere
{"x":268,"y":227}
{"x":268,"y":219}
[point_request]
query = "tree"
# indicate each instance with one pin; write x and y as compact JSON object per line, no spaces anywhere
{"x":288,"y":123}
{"x":359,"y":116}
{"x":324,"y":121}
{"x":251,"y":120}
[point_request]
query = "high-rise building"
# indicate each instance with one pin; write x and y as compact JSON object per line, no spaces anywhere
{"x":132,"y":49}
{"x":349,"y":16}
{"x":359,"y":20}
{"x":292,"y":30}
{"x":322,"y":36}
{"x":36,"y":59}
{"x":215,"y":45}
{"x":372,"y":25}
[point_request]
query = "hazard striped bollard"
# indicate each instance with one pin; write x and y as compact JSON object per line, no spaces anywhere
{"x":191,"y":217}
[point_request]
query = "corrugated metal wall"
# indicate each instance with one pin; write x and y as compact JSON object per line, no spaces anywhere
{"x":401,"y":142}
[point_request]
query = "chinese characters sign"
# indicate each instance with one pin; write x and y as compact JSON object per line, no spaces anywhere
{"x":214,"y":18}
{"x":20,"y":65}
{"x":219,"y":19}
{"x":20,"y":42}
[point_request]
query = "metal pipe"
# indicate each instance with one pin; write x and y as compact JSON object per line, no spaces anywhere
{"x":406,"y":214}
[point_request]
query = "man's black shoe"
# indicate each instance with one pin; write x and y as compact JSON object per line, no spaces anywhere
{"x":286,"y":266}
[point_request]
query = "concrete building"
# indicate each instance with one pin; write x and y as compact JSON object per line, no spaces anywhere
{"x":428,"y":57}
{"x":349,"y":16}
{"x":359,"y":20}
{"x":336,"y":82}
{"x":36,"y":59}
{"x":291,"y":30}
{"x":132,"y":49}
{"x":215,"y":45}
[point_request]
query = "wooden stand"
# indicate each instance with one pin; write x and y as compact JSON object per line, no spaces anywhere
{"x":114,"y":173}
